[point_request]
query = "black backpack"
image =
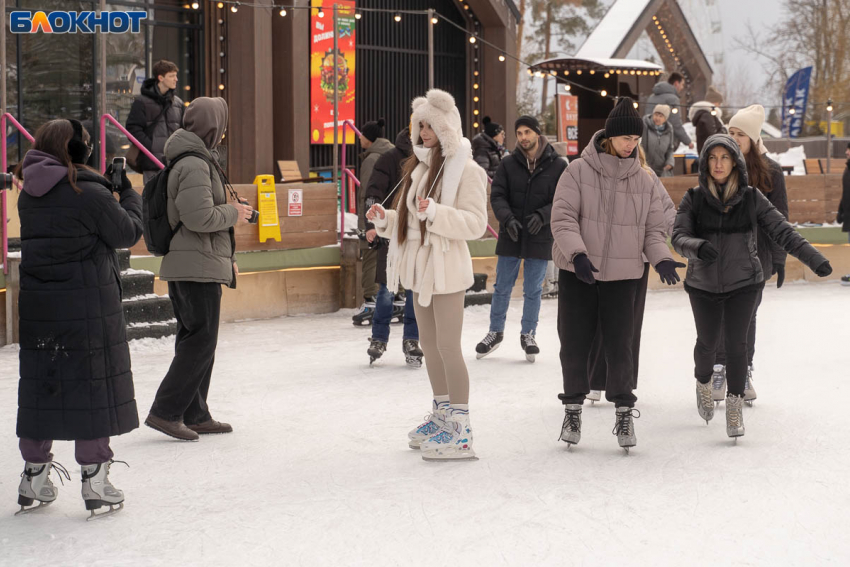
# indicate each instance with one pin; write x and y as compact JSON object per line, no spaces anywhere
{"x":156,"y":228}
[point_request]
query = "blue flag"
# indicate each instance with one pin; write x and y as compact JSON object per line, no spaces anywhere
{"x":796,"y":97}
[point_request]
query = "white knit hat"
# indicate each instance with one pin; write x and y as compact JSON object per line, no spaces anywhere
{"x":750,"y":120}
{"x":662,"y":109}
{"x":438,"y":109}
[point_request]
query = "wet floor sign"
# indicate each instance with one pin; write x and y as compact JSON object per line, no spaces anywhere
{"x":267,"y":205}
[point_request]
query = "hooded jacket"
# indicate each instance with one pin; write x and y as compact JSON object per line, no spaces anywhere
{"x":843,"y":217}
{"x":706,"y":125}
{"x":609,"y":209}
{"x":665,"y":93}
{"x":203,"y":248}
{"x":368,"y":159}
{"x":731,"y":227}
{"x":658,"y":145}
{"x":153,"y":118}
{"x":75,"y":377}
{"x":487,"y":153}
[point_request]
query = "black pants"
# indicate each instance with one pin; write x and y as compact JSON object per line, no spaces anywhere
{"x":183,"y":392}
{"x":751,"y":338}
{"x":726,"y":316}
{"x":582,"y":309}
{"x":597,"y":369}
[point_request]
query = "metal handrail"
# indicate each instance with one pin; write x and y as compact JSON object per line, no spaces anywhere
{"x":343,"y":193}
{"x":3,"y":206}
{"x":130,"y":137}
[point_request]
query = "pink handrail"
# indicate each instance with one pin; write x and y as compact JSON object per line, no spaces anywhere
{"x":343,"y":193}
{"x":3,"y":205}
{"x":130,"y":137}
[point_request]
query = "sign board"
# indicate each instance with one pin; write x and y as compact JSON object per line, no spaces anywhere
{"x":322,"y":69}
{"x":267,"y":205}
{"x":296,"y":202}
{"x":796,"y":97}
{"x":568,"y":122}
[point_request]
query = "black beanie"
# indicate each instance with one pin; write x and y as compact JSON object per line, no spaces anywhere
{"x":373,"y":130}
{"x":624,"y":120}
{"x":529,"y":121}
{"x":491,"y":128}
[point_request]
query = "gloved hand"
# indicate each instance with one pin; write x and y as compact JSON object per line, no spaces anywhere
{"x":534,"y":222}
{"x":125,"y":182}
{"x":779,"y":270}
{"x":513,"y":227}
{"x":707,"y":252}
{"x":667,"y":269}
{"x":824,"y":269}
{"x":584,"y":269}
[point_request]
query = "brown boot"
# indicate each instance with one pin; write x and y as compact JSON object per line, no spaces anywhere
{"x":210,"y":426}
{"x":174,"y":429}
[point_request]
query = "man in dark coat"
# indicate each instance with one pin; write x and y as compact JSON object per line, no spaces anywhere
{"x":488,"y":147}
{"x":156,"y":114}
{"x":522,"y":195}
{"x":668,"y":93}
{"x":843,"y":217}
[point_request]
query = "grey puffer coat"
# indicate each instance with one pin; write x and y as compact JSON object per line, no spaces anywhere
{"x":658,"y":145}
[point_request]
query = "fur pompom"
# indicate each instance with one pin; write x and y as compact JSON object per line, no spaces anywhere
{"x":417,"y":102}
{"x":441,"y":100}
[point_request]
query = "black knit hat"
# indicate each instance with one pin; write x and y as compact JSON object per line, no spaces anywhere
{"x":373,"y":130}
{"x":529,"y":121}
{"x":491,"y":128}
{"x":624,"y":120}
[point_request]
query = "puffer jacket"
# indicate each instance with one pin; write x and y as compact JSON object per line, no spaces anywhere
{"x":203,"y":249}
{"x":705,"y":124}
{"x":608,"y":208}
{"x":665,"y":93}
{"x":153,"y":118}
{"x":658,"y":145}
{"x":770,"y":253}
{"x":843,"y":217}
{"x":731,"y":228}
{"x":487,"y":153}
{"x":368,"y":159}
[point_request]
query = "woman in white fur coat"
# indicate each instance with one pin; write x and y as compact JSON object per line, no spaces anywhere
{"x":442,"y":204}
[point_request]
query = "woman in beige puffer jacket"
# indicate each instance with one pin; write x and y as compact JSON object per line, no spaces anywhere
{"x":605,"y":217}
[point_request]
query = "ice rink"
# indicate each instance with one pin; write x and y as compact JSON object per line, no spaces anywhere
{"x":318,"y":471}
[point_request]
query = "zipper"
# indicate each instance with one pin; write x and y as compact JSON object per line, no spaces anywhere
{"x":720,"y":251}
{"x":607,"y":242}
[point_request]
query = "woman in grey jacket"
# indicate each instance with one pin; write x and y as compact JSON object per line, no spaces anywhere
{"x":716,"y":229}
{"x":659,"y":141}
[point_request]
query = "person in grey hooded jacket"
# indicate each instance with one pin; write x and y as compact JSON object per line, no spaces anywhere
{"x":659,"y":141}
{"x":201,"y":259}
{"x":668,"y":93}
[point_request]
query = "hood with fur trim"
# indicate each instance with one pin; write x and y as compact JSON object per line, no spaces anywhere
{"x":438,"y":109}
{"x":704,"y":105}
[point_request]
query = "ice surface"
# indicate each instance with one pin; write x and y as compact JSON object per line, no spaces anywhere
{"x":318,"y":471}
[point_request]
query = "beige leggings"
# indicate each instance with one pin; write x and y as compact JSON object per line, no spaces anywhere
{"x":440,"y":328}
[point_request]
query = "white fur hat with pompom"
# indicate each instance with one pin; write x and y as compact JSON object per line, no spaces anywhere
{"x":437,"y":108}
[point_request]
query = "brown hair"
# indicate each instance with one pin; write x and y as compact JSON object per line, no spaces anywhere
{"x":675,"y":78}
{"x":608,"y":146}
{"x":53,"y":138}
{"x":163,"y":67}
{"x":407,"y":167}
{"x":758,"y":170}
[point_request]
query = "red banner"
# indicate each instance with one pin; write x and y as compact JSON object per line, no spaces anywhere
{"x":568,"y":122}
{"x":322,"y":69}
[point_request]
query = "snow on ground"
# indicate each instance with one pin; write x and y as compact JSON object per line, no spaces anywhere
{"x":318,"y":471}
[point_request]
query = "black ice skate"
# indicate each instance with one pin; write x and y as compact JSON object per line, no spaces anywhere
{"x":571,"y":428}
{"x":398,"y":312}
{"x":36,"y":485}
{"x":529,"y":345}
{"x":376,"y":350}
{"x":367,"y":312}
{"x":488,"y":344}
{"x":412,"y":353}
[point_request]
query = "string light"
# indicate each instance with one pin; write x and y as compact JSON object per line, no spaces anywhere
{"x":195,"y":5}
{"x":567,"y":88}
{"x":434,"y":21}
{"x":475,"y":124}
{"x":283,"y":12}
{"x":792,"y":110}
{"x":221,"y":87}
{"x":475,"y":86}
{"x":606,"y":75}
{"x":321,"y":13}
{"x":675,"y":110}
{"x":502,"y":58}
{"x":397,"y":17}
{"x":472,"y":39}
{"x":235,"y":8}
{"x":357,"y":15}
{"x":603,"y":92}
{"x":475,"y":99}
{"x":829,"y":105}
{"x":635,"y":105}
{"x":220,"y":5}
{"x":714,"y":111}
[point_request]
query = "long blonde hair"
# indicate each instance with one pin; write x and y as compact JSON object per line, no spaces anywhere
{"x":608,"y":146}
{"x":731,"y":186}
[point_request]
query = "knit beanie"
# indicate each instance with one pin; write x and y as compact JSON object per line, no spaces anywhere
{"x":491,"y":128}
{"x":529,"y":122}
{"x":624,"y":120}
{"x":373,"y":130}
{"x":662,"y":109}
{"x":713,"y":96}
{"x":750,"y":120}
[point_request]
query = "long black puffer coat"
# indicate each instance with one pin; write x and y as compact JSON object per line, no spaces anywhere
{"x":75,"y":377}
{"x":487,"y":153}
{"x":153,"y":118}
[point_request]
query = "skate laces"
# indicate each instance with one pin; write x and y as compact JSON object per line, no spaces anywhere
{"x":529,"y":340}
{"x":572,"y":420}
{"x":734,"y":411}
{"x":60,"y":472}
{"x":624,"y":424}
{"x":490,"y":338}
{"x":717,"y":380}
{"x":705,"y":395}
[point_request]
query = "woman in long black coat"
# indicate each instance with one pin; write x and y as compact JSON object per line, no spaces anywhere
{"x":75,"y":378}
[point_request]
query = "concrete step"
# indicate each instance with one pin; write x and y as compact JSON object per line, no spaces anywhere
{"x":147,"y":309}
{"x":123,"y":259}
{"x":152,"y":330}
{"x":477,"y":299}
{"x":136,"y":282}
{"x":480,"y":283}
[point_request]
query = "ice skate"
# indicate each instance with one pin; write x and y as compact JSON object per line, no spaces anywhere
{"x":453,"y":442}
{"x":376,"y":350}
{"x":98,"y":490}
{"x":412,"y":353}
{"x":624,"y":427}
{"x":434,"y":421}
{"x":398,"y":309}
{"x":845,"y":280}
{"x":594,"y":396}
{"x":749,"y":389}
{"x":36,"y":485}
{"x":718,"y":383}
{"x":367,"y":312}
{"x":734,"y":416}
{"x":529,"y":345}
{"x":488,"y":344}
{"x":550,"y":290}
{"x":571,"y":429}
{"x":705,"y":403}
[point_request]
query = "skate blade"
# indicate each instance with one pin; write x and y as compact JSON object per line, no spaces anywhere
{"x":465,"y":457}
{"x":749,"y":402}
{"x":113,"y":509}
{"x":414,"y":363}
{"x":23,"y":511}
{"x":530,"y":357}
{"x":414,"y":447}
{"x":480,"y":355}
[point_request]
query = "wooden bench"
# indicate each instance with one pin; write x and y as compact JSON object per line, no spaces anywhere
{"x":813,"y":167}
{"x":836,"y":165}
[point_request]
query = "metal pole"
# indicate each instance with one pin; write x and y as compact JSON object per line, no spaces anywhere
{"x":3,"y":59}
{"x":102,"y":110}
{"x":336,"y":123}
{"x":3,"y":212}
{"x":829,"y":138}
{"x":430,"y":48}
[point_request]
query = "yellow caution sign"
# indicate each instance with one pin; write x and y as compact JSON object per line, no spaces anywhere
{"x":267,"y":205}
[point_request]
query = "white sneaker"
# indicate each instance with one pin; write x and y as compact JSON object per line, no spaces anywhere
{"x":594,"y":396}
{"x":453,"y":442}
{"x":718,"y":383}
{"x":434,"y":421}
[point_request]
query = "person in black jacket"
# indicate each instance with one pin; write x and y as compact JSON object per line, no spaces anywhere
{"x":717,"y":230}
{"x":75,"y":378}
{"x":522,"y":194}
{"x":156,"y":114}
{"x":383,"y":185}
{"x":488,"y":147}
{"x":843,"y":217}
{"x":706,"y":116}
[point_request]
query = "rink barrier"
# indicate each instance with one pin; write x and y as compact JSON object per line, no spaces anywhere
{"x":130,"y":137}
{"x":3,"y":204}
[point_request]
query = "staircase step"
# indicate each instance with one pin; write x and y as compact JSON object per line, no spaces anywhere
{"x":14,"y":244}
{"x":136,"y":282}
{"x":148,"y":308}
{"x":477,"y":299}
{"x":480,"y":283}
{"x":152,"y":330}
{"x":123,"y":259}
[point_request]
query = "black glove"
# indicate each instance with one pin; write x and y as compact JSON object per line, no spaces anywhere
{"x":534,"y":223}
{"x":667,"y":269}
{"x":707,"y":252}
{"x":839,"y":218}
{"x":824,"y":269}
{"x":779,"y":270}
{"x":125,"y":182}
{"x":513,"y":227}
{"x":584,"y":269}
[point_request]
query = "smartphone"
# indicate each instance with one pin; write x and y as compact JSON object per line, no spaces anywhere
{"x":119,"y":164}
